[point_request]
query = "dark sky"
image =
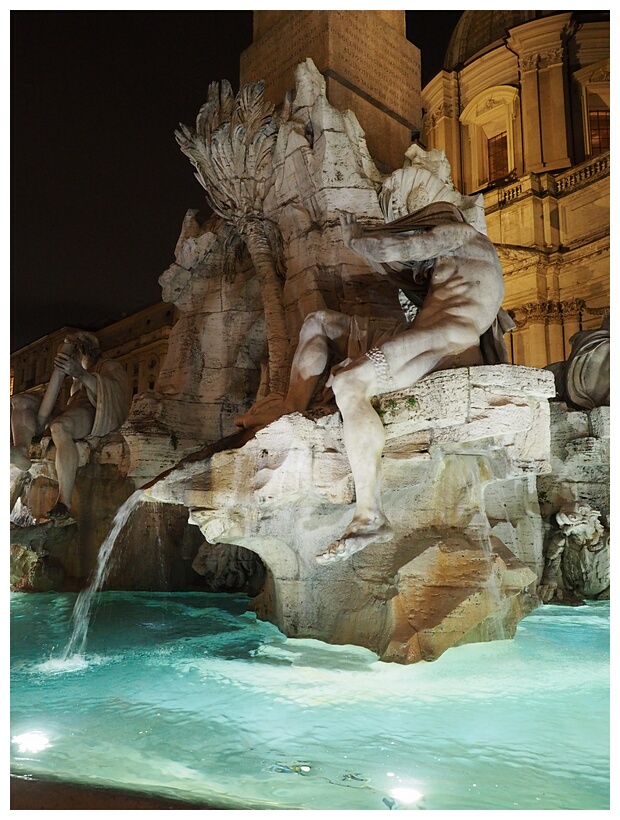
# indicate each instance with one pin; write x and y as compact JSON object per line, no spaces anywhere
{"x":99,"y":187}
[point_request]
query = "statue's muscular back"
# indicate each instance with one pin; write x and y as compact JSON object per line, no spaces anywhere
{"x":467,"y":283}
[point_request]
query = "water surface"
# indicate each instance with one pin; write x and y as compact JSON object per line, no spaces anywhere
{"x":190,"y":696}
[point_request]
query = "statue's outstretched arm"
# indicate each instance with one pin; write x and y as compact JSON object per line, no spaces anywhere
{"x":387,"y":246}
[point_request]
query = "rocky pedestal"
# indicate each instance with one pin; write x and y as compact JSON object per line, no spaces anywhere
{"x":575,"y":506}
{"x":445,"y":579}
{"x":154,"y":551}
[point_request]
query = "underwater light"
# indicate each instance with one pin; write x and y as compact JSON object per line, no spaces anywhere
{"x":32,"y":742}
{"x":406,"y":795}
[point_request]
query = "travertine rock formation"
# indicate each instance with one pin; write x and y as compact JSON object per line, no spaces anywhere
{"x":577,"y":559}
{"x":445,"y":579}
{"x":574,"y":502}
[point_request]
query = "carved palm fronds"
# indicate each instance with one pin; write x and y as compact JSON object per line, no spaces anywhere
{"x":231,"y":149}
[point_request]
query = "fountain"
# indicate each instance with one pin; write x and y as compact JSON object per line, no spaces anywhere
{"x":476,"y":462}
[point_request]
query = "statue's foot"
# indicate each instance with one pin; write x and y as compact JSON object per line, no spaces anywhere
{"x":357,"y":537}
{"x":59,"y":512}
{"x":263,"y":412}
{"x":19,"y":459}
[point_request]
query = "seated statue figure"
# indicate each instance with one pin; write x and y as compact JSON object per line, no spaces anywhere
{"x":583,"y":380}
{"x":99,"y":403}
{"x":452,"y":271}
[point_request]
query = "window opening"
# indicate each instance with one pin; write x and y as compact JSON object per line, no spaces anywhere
{"x":599,"y":131}
{"x":497,"y":147}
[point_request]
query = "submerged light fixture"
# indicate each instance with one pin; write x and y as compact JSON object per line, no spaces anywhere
{"x":31,"y":742}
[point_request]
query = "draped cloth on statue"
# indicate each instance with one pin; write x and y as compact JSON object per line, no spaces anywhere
{"x":583,"y":380}
{"x":112,"y":399}
{"x":587,"y":369}
{"x":413,"y":277}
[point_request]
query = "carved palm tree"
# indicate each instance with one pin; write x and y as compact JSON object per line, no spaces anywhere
{"x":231,"y":150}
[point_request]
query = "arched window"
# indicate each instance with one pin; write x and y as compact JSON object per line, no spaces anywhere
{"x":491,"y":137}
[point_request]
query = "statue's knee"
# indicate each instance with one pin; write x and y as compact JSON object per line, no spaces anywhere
{"x":314,"y":323}
{"x":348,"y":388}
{"x":59,"y":429}
{"x":24,"y":402}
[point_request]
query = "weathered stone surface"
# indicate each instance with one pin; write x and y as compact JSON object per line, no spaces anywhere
{"x":48,"y":556}
{"x":228,"y":568}
{"x":580,"y":469}
{"x":577,"y":564}
{"x":41,"y":556}
{"x":513,"y":511}
{"x":212,"y":369}
{"x":287,"y":493}
{"x":598,"y":419}
{"x":577,"y":556}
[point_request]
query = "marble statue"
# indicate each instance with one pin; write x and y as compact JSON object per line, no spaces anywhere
{"x":453,"y":272}
{"x":99,"y":403}
{"x":582,"y":381}
{"x":577,"y":559}
{"x":231,"y":149}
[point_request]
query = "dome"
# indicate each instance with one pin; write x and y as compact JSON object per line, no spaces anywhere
{"x":480,"y":31}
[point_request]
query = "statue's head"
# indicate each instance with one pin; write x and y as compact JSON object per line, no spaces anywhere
{"x":425,"y":178}
{"x":184,"y":282}
{"x":86,"y":344}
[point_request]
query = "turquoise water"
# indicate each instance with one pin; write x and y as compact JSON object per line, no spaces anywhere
{"x":190,"y":696}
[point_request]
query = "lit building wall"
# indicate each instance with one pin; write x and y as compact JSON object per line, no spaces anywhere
{"x":138,"y":341}
{"x":522,"y":111}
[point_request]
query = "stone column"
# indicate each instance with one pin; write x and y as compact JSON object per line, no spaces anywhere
{"x":536,"y":344}
{"x":532,"y":138}
{"x":555,"y":333}
{"x":554,"y":105}
{"x":541,"y":50}
{"x":441,"y":127}
{"x":571,"y":315}
{"x":368,"y":63}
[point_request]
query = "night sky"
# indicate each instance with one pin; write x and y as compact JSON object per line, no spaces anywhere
{"x":99,"y":187}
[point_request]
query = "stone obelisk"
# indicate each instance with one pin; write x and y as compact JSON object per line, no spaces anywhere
{"x":369,"y":65}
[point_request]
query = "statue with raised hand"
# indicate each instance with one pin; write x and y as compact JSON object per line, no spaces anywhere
{"x":99,"y":403}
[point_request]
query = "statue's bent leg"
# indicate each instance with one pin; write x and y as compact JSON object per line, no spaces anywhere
{"x":24,"y":409}
{"x":398,"y":364}
{"x":75,"y":423}
{"x":320,"y":331}
{"x":364,"y":438}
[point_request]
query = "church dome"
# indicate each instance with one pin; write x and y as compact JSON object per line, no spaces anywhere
{"x":479,"y":31}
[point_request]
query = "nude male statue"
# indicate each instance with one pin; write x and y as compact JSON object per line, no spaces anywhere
{"x":99,"y":403}
{"x":460,"y":288}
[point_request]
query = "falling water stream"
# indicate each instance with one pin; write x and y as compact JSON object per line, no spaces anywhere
{"x":85,"y":599}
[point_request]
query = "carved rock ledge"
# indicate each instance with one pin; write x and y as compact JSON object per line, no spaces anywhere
{"x":444,"y":579}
